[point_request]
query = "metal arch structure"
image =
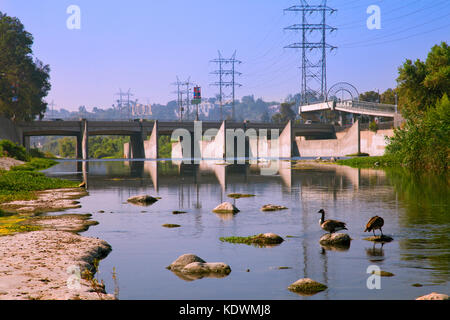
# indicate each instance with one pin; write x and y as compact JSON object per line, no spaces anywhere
{"x":343,"y":86}
{"x":352,"y":105}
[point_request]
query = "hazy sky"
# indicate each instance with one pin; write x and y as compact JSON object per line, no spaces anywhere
{"x":145,"y":44}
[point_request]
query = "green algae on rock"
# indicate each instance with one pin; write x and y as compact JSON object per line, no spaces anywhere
{"x":261,"y":239}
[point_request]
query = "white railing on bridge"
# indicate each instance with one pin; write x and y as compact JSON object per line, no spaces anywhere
{"x":365,"y":105}
{"x":362,"y":107}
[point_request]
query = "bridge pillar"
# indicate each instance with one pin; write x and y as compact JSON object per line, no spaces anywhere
{"x":26,"y":143}
{"x":79,"y":147}
{"x":137,"y":146}
{"x":358,"y":125}
{"x":151,"y":146}
{"x":215,"y":144}
{"x":287,"y":145}
{"x":84,"y":140}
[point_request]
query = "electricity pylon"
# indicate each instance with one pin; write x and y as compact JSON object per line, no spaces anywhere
{"x":309,"y":67}
{"x":223,"y":73}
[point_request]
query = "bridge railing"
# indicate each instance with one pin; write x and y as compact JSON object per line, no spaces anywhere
{"x":370,"y":106}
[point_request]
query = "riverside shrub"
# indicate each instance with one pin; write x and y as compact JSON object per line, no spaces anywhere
{"x":424,"y":142}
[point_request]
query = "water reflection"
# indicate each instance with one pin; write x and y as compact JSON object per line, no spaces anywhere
{"x":415,"y":213}
{"x":376,"y":252}
{"x":427,"y":202}
{"x":335,"y":247}
{"x":197,"y":276}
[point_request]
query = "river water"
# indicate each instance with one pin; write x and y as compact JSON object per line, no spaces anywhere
{"x":415,"y":211}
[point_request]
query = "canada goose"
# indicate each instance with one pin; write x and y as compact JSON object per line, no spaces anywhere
{"x":374,"y":223}
{"x":330,"y":225}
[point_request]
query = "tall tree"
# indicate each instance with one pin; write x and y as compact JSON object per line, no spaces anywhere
{"x":369,"y":96}
{"x":285,"y":113}
{"x":422,"y":84}
{"x":24,"y":82}
{"x":388,"y":96}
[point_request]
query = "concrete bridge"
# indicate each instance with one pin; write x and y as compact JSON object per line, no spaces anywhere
{"x":140,"y":148}
{"x":355,"y":107}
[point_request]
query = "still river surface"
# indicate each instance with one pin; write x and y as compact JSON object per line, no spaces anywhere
{"x":416,"y":214}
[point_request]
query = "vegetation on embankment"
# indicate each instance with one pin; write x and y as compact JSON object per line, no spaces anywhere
{"x":20,"y":182}
{"x":13,"y":223}
{"x":385,"y":161}
{"x":422,"y":143}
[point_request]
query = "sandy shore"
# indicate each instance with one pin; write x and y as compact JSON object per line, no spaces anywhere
{"x":48,"y":264}
{"x":6,"y":163}
{"x":53,"y":262}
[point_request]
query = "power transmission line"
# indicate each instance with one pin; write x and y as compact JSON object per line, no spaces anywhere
{"x":357,"y":23}
{"x":352,"y":44}
{"x":124,"y":105}
{"x":223,"y":74}
{"x":308,"y":66}
{"x":183,"y":88}
{"x":402,"y":38}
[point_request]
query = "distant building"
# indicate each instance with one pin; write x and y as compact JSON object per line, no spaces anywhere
{"x":274,"y":109}
{"x":139,"y":109}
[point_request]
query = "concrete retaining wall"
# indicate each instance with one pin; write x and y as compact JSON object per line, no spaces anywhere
{"x":374,"y":143}
{"x":347,"y":142}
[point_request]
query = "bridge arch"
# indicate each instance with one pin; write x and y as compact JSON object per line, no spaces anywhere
{"x":343,"y":87}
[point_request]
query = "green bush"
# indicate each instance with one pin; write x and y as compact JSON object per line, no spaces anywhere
{"x":424,"y":143}
{"x":165,"y":147}
{"x":36,"y":153}
{"x":13,"y":150}
{"x":373,"y":126}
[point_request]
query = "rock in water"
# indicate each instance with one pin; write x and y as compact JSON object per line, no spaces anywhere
{"x":183,"y":261}
{"x":342,"y":239}
{"x":434,"y":296}
{"x":380,"y":238}
{"x":382,"y":273}
{"x":272,"y":207}
{"x":262,"y":239}
{"x":269,"y":238}
{"x":171,"y":225}
{"x":307,"y":286}
{"x":192,"y":264}
{"x":207,"y":267}
{"x":240,"y":195}
{"x":226,"y":207}
{"x":142,"y":200}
